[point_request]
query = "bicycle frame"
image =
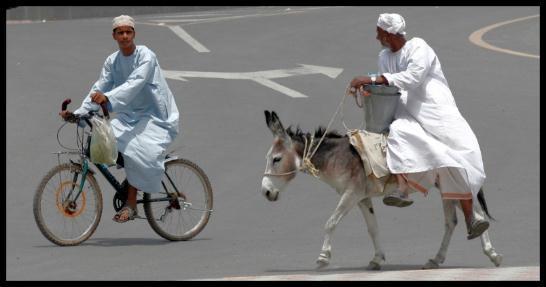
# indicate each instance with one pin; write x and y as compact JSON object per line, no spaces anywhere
{"x":119,"y":188}
{"x":110,"y":177}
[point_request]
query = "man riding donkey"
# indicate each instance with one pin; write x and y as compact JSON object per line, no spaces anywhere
{"x":428,"y":136}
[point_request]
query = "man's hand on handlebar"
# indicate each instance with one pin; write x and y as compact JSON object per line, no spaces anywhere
{"x":68,"y":116}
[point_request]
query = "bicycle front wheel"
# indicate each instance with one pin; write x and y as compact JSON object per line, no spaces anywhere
{"x":183,"y":217}
{"x":61,"y":217}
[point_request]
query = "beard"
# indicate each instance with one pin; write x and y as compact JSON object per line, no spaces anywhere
{"x":385,"y":44}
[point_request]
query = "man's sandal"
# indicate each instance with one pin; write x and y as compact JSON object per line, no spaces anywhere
{"x":477,"y":228}
{"x":126,"y":209}
{"x":397,"y":198}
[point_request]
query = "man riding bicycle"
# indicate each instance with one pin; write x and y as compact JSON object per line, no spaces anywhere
{"x":132,"y":85}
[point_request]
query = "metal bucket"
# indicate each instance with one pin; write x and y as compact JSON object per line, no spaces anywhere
{"x":379,"y":107}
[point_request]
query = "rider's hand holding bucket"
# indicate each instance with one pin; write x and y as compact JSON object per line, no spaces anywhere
{"x":356,"y":88}
{"x":357,"y":84}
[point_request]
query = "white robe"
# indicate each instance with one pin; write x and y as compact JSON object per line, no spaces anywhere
{"x":429,"y":131}
{"x":146,"y":115}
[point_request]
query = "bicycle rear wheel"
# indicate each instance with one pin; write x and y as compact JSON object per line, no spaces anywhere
{"x":184,"y":217}
{"x":62,"y":220}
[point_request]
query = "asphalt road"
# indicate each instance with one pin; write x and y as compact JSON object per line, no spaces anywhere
{"x":223,"y":130}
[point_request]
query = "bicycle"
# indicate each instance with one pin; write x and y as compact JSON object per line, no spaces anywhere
{"x":70,"y":194}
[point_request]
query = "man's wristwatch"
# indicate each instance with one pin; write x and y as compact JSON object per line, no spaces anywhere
{"x":373,"y":79}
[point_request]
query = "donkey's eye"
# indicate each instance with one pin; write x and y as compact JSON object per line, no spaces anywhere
{"x":276,"y":159}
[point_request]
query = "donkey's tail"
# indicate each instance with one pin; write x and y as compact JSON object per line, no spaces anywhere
{"x":481,"y":200}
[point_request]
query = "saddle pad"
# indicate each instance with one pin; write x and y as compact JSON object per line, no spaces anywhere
{"x":372,"y":148}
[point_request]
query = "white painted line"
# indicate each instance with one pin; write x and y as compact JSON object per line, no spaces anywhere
{"x":528,"y":273}
{"x":189,"y":39}
{"x":303,"y":70}
{"x":209,"y":75}
{"x":279,"y":88}
{"x":173,"y":75}
{"x":155,"y":21}
{"x":8,"y":22}
{"x":476,"y":38}
{"x":261,"y":77}
{"x":248,"y":16}
{"x":180,"y":20}
{"x":284,"y":12}
{"x":330,"y":72}
{"x":191,"y":15}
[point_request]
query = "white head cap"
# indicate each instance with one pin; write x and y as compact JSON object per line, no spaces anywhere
{"x":123,"y":20}
{"x":392,"y":23}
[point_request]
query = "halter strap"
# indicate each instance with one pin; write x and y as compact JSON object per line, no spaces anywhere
{"x":280,"y":174}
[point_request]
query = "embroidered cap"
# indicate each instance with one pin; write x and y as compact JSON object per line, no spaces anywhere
{"x":123,"y":20}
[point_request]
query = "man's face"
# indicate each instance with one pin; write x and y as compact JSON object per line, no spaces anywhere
{"x":124,"y":35}
{"x":383,"y":38}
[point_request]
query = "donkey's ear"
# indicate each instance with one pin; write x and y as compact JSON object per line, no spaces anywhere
{"x":267,"y":117}
{"x":275,"y":125}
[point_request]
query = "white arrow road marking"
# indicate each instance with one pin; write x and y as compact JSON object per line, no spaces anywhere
{"x":303,"y":70}
{"x":261,"y":77}
{"x":279,"y":88}
{"x":189,"y":39}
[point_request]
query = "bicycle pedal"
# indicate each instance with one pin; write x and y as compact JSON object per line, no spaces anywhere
{"x":174,"y":204}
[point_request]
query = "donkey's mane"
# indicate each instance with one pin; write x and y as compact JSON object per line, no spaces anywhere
{"x":298,"y":134}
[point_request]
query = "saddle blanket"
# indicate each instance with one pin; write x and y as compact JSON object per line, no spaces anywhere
{"x":372,"y":148}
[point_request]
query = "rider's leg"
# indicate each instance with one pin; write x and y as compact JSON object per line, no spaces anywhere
{"x":402,"y":185}
{"x":453,"y":185}
{"x":125,"y":214}
{"x":132,"y":196}
{"x":466,"y":206}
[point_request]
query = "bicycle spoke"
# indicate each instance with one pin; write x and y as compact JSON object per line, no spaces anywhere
{"x":60,"y":220}
{"x":188,"y":217}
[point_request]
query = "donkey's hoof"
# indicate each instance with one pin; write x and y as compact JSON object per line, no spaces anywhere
{"x":322,"y":262}
{"x":497,"y":260}
{"x":323,"y":259}
{"x":431,"y":264}
{"x":373,"y":266}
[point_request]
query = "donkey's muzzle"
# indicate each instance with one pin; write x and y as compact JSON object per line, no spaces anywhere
{"x":270,"y":195}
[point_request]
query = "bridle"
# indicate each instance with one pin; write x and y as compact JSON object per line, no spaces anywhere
{"x":280,"y":174}
{"x":300,"y":168}
{"x":306,"y":165}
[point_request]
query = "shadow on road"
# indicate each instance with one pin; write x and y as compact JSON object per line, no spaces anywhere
{"x":399,"y":267}
{"x":107,"y":242}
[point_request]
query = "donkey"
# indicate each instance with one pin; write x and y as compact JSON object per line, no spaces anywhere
{"x":339,"y":165}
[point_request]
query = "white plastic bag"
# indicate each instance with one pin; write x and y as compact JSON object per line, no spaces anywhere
{"x":103,"y":142}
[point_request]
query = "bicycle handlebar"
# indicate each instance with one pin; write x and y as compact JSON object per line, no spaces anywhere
{"x":65,"y":104}
{"x":105,"y":112}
